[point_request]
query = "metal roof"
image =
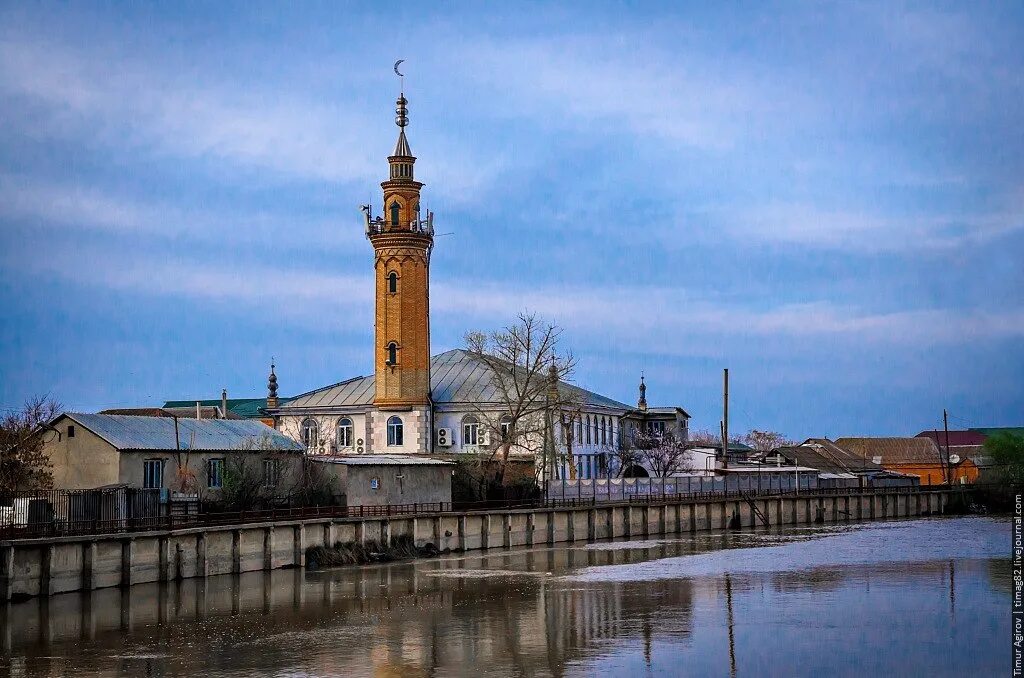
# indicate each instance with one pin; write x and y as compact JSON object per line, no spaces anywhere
{"x":826,"y":456}
{"x":894,"y":450}
{"x":402,"y":146}
{"x":456,"y":377}
{"x":250,"y":408}
{"x":379,"y":460}
{"x":128,"y":432}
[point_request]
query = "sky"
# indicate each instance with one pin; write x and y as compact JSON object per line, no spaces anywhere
{"x":826,"y":198}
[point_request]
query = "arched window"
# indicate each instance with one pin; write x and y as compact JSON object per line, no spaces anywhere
{"x":597,"y":431}
{"x":470,"y":431}
{"x":604,"y":431}
{"x":505,"y":424}
{"x":395,"y":431}
{"x":392,"y":353}
{"x":395,"y":209}
{"x":588,"y":429}
{"x":343,"y":434}
{"x":392,"y":282}
{"x":310,"y":434}
{"x":579,"y":430}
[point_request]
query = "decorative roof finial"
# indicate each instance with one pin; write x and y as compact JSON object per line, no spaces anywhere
{"x":272,"y":386}
{"x":642,"y":403}
{"x":401,"y":112}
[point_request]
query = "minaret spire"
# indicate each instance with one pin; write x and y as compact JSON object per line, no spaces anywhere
{"x":642,"y":403}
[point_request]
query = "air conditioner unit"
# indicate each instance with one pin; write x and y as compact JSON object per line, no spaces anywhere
{"x":444,"y":437}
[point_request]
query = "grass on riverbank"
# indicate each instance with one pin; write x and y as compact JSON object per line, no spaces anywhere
{"x":373,"y":551}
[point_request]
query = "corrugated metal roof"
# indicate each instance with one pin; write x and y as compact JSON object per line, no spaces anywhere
{"x":827,"y":457}
{"x":456,"y":377}
{"x":127,"y":432}
{"x":894,"y":450}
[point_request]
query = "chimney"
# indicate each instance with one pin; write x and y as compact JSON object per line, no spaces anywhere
{"x":223,"y":403}
{"x":199,"y":410}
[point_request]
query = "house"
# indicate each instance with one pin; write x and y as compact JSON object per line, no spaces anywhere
{"x":918,"y":456}
{"x":391,"y":479}
{"x":415,"y":402}
{"x":836,"y":466}
{"x":94,"y":450}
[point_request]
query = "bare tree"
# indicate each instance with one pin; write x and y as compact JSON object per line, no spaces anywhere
{"x":24,"y":465}
{"x":623,"y":457}
{"x":185,"y":480}
{"x":526,"y":370}
{"x":262,"y":473}
{"x":764,"y":441}
{"x":663,"y":455}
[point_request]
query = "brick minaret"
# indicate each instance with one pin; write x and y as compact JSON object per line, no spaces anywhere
{"x":402,"y":241}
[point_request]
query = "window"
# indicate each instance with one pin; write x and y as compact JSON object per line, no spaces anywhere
{"x":579,"y":430}
{"x":604,"y":431}
{"x":470,"y":432}
{"x":588,"y":429}
{"x":343,"y":435}
{"x":153,"y":473}
{"x":215,"y":474}
{"x":310,"y":433}
{"x":395,"y":208}
{"x":392,"y":353}
{"x":505,"y":426}
{"x":71,"y":431}
{"x":392,"y":283}
{"x":395,"y":431}
{"x":271,"y":472}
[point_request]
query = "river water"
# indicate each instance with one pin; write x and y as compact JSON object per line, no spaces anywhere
{"x":920,"y":597}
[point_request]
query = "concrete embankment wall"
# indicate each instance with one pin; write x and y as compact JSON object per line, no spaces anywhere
{"x":33,"y":567}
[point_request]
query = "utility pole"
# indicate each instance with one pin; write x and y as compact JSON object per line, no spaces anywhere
{"x":949,"y":465}
{"x":725,"y":418}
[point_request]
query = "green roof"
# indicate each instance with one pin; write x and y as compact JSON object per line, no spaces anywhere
{"x":996,"y":430}
{"x":248,"y":408}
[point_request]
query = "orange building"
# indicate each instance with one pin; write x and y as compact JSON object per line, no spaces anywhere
{"x":916,"y":456}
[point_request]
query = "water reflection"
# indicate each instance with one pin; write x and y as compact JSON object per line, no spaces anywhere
{"x":539,"y":612}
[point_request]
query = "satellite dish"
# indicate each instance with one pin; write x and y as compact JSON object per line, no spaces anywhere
{"x":954,"y":459}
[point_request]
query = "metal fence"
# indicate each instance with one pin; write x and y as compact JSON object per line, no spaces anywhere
{"x":57,"y":513}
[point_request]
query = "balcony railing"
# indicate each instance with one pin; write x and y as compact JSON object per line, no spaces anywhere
{"x":377,"y":225}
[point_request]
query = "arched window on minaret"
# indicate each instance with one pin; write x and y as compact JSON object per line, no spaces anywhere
{"x":392,"y":353}
{"x":395,"y":210}
{"x":393,"y":282}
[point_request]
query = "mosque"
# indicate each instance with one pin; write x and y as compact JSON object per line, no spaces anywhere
{"x":418,"y":404}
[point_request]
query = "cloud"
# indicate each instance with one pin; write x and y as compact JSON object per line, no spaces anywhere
{"x":867,"y":231}
{"x":72,"y":208}
{"x":126,"y":102}
{"x":628,"y":315}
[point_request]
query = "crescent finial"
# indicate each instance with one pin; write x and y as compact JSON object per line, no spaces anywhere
{"x":401,"y":75}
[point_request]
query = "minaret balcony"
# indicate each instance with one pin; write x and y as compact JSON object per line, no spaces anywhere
{"x":378,"y":225}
